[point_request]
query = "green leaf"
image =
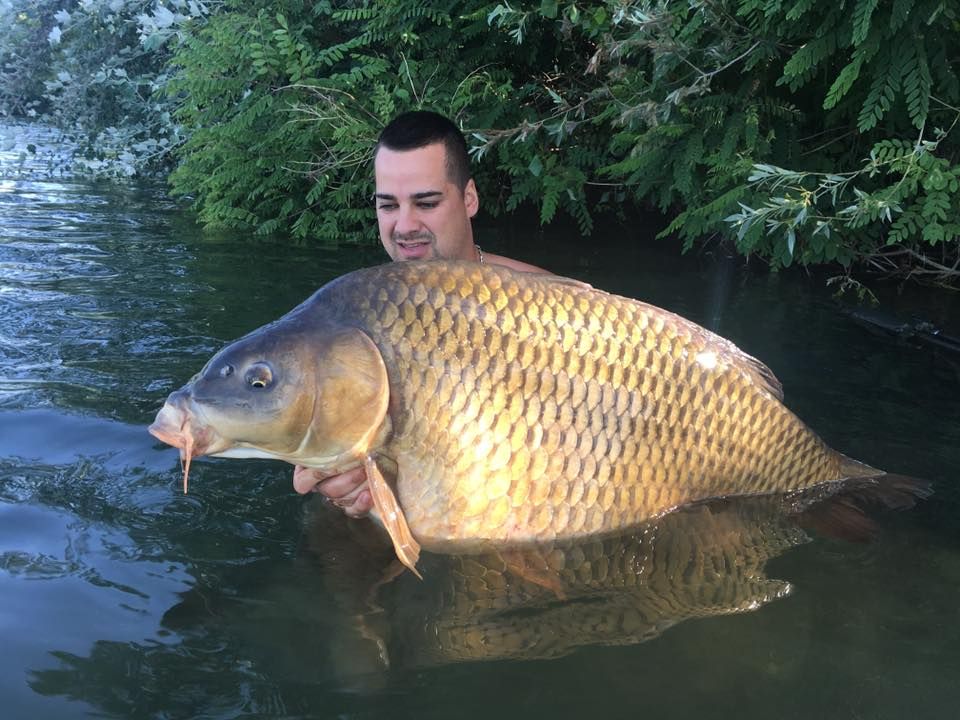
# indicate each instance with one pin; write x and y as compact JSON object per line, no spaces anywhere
{"x":841,"y":86}
{"x":933,"y":233}
{"x":861,"y":19}
{"x":917,"y":84}
{"x":549,"y":9}
{"x":883,"y":91}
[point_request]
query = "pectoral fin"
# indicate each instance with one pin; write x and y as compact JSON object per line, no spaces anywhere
{"x":353,"y":392}
{"x":392,"y":517}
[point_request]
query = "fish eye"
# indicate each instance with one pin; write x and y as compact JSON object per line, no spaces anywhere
{"x":259,"y":375}
{"x":226,"y":371}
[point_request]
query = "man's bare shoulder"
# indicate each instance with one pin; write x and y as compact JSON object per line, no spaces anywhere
{"x":512,"y":264}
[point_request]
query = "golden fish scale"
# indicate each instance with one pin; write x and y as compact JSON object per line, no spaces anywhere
{"x":529,"y":407}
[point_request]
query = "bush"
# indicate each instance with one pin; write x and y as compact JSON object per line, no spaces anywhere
{"x":803,"y":132}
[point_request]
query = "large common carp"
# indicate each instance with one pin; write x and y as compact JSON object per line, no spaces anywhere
{"x":505,"y":406}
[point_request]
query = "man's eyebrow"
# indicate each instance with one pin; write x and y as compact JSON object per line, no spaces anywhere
{"x":416,"y":196}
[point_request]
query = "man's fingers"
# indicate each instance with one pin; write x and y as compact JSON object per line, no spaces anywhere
{"x":304,"y":478}
{"x":360,"y":505}
{"x":357,"y":501}
{"x":348,"y":490}
{"x":338,"y":487}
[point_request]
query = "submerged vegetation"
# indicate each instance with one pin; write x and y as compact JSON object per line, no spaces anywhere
{"x":802,"y":131}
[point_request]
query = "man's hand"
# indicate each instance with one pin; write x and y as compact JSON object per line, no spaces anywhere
{"x":348,"y":490}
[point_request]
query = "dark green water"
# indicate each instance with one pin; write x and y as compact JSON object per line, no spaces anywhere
{"x":121,"y":597}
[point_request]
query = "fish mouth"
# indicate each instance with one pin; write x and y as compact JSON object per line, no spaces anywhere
{"x":174,"y":426}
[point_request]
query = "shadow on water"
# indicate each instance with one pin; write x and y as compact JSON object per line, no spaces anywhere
{"x":121,"y":597}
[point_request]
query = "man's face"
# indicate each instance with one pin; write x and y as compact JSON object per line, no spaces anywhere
{"x":421,"y":213}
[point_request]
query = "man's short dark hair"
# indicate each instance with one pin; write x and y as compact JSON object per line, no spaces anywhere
{"x":419,"y":128}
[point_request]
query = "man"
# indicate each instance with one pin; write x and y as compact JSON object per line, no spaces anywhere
{"x":425,"y":196}
{"x":425,"y":199}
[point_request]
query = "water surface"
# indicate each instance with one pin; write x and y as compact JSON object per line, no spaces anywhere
{"x":121,"y":597}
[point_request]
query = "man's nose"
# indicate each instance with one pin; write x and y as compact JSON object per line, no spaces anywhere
{"x":408,"y":220}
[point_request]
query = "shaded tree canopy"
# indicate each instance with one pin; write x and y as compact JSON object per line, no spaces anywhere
{"x":803,"y":131}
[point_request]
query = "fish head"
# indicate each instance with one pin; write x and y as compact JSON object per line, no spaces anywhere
{"x":316,"y":396}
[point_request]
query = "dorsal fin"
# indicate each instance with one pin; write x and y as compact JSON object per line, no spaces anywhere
{"x":762,"y":375}
{"x":563,"y":280}
{"x":748,"y":364}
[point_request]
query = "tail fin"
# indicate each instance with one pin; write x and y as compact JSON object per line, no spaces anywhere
{"x":844,"y":514}
{"x":850,"y":468}
{"x":889,"y":491}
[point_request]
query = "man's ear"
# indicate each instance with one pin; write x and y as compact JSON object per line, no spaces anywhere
{"x":471,"y":199}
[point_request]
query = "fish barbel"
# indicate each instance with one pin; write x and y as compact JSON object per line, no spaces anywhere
{"x":488,"y":405}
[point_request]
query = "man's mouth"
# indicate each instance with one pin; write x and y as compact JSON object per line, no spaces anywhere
{"x":414,"y":248}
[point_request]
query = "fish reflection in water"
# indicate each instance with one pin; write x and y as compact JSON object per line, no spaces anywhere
{"x":543,"y":601}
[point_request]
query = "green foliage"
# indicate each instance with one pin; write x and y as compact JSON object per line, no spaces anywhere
{"x":915,"y":202}
{"x":883,"y":91}
{"x":862,"y":12}
{"x":803,"y":131}
{"x":25,"y":49}
{"x":668,"y":103}
{"x":882,"y":74}
{"x":285,"y":102}
{"x":94,"y":68}
{"x":916,"y":82}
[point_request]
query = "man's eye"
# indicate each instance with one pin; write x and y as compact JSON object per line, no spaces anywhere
{"x":427,"y":205}
{"x":387,"y":206}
